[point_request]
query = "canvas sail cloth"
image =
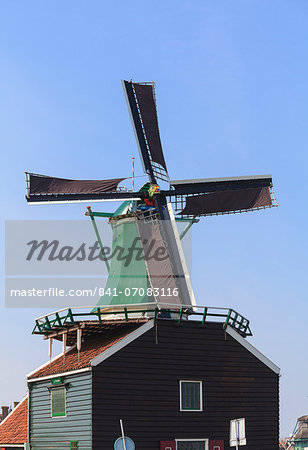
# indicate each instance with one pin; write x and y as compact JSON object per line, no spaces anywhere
{"x":166,"y":284}
{"x":147,"y":108}
{"x":227,"y":201}
{"x":41,"y":184}
{"x":141,"y":104}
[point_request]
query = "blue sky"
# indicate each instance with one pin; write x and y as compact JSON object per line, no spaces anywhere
{"x":232,"y":98}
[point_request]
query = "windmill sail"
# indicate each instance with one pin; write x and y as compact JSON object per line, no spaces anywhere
{"x":227,"y":201}
{"x":42,"y":184}
{"x":204,"y":185}
{"x":44,"y":189}
{"x":142,"y":108}
{"x":202,"y":197}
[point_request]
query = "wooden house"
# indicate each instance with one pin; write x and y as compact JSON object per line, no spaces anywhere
{"x":176,"y":384}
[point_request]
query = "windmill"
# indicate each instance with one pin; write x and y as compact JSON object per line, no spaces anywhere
{"x":152,"y":212}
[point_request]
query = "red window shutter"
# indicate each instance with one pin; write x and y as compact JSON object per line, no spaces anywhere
{"x":217,"y":445}
{"x":167,"y":445}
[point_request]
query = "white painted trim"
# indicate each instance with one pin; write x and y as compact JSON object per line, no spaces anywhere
{"x":194,"y":440}
{"x":61,"y":374}
{"x":201,"y":399}
{"x":13,"y":445}
{"x":182,"y":256}
{"x":252,"y":349}
{"x":25,"y":397}
{"x":122,"y":343}
{"x":63,"y":202}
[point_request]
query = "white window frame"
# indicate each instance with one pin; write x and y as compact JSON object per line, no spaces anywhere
{"x":193,"y":440}
{"x":201,"y":398}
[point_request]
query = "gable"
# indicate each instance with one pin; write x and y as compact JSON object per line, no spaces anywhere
{"x":252,"y":350}
{"x":142,"y":381}
{"x":122,"y":343}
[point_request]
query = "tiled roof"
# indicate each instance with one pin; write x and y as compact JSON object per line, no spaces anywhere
{"x":92,"y":347}
{"x":14,"y":429}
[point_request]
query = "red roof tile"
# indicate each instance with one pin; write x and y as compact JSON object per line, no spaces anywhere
{"x":14,"y":429}
{"x":92,"y":347}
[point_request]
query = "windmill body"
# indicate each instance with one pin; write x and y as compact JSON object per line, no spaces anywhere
{"x":123,"y":278}
{"x":139,"y":268}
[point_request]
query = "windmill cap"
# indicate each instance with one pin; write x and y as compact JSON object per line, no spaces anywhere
{"x":303,"y":418}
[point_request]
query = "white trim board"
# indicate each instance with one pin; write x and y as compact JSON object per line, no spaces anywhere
{"x":182,"y":256}
{"x":252,"y":349}
{"x":13,"y":445}
{"x":63,"y":202}
{"x":122,"y":343}
{"x":61,"y":374}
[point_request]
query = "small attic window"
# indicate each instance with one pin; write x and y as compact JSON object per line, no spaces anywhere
{"x":74,"y":445}
{"x":190,"y":395}
{"x":58,"y":401}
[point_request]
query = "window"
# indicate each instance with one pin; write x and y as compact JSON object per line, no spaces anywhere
{"x":192,"y":444}
{"x":190,"y":395}
{"x":58,"y":401}
{"x":74,"y":445}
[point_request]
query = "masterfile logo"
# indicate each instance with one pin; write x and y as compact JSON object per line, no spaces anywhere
{"x":60,"y":263}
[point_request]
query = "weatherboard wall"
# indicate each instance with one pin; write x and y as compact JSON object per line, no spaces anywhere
{"x":57,"y":432}
{"x":301,"y":445}
{"x":140,"y":384}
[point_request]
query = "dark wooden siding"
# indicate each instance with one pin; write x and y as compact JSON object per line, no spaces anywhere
{"x":140,"y":384}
